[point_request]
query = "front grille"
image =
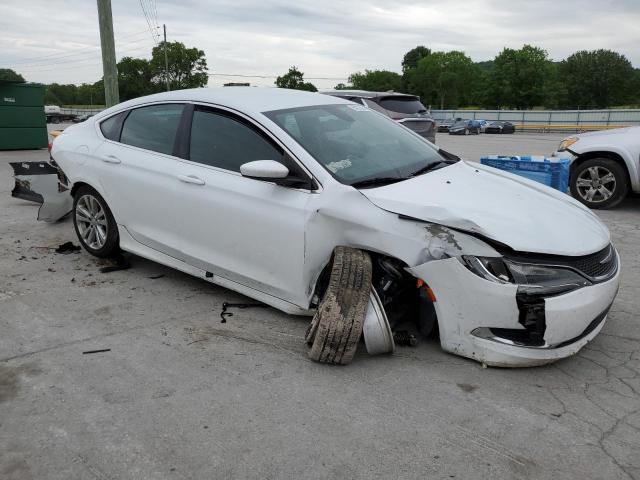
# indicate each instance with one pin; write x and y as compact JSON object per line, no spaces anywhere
{"x":598,"y":267}
{"x":599,"y":264}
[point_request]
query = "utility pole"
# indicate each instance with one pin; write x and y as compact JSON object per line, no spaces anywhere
{"x":166,"y":60}
{"x":109,"y":69}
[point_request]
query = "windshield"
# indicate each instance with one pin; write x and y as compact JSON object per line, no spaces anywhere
{"x":461,"y":123}
{"x":356,"y":144}
{"x":405,"y":105}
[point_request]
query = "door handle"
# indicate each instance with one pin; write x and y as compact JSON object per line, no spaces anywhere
{"x":111,"y":159}
{"x":191,"y":179}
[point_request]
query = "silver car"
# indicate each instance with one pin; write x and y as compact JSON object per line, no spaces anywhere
{"x":405,"y":109}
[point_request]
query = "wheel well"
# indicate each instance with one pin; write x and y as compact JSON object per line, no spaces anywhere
{"x":76,"y":186}
{"x":604,"y":154}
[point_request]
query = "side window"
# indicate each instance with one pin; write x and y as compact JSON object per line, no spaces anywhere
{"x":153,"y":127}
{"x":223,"y":142}
{"x":111,"y":126}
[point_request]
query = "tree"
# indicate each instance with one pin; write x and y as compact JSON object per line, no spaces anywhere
{"x":376,"y":81}
{"x":413,"y":56}
{"x":443,"y":78}
{"x":519,"y":78}
{"x":598,"y":79}
{"x":342,"y":86}
{"x":8,"y":75}
{"x":135,"y":78}
{"x":294,"y":79}
{"x":187,"y":66}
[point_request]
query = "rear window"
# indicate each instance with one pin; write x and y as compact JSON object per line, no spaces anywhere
{"x":152,"y":128}
{"x":403,"y":104}
{"x":111,"y":127}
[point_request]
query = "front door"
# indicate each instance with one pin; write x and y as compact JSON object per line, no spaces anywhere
{"x":248,"y":231}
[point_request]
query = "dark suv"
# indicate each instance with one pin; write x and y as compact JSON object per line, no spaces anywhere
{"x":403,"y":108}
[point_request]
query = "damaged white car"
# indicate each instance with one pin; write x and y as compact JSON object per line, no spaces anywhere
{"x":305,"y":201}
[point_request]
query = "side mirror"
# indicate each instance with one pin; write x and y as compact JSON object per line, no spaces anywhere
{"x":264,"y":170}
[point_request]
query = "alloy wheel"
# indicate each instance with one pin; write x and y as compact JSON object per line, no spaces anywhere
{"x":596,"y":184}
{"x":91,"y":220}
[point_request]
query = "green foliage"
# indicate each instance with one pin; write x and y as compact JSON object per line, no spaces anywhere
{"x":9,"y":75}
{"x":413,"y":56}
{"x":376,"y":81}
{"x":187,"y":66}
{"x":519,"y":78}
{"x":443,"y":79}
{"x":85,"y":94}
{"x":135,"y":78}
{"x":598,"y":79}
{"x":138,"y":77}
{"x":294,"y":79}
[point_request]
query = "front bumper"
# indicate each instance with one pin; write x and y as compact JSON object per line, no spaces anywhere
{"x":473,"y":312}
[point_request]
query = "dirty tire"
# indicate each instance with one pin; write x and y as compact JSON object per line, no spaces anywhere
{"x":111,"y":242}
{"x":336,"y":327}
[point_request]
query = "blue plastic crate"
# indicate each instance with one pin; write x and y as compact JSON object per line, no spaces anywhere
{"x":553,"y":173}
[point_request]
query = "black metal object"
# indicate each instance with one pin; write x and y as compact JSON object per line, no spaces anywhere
{"x":226,"y":305}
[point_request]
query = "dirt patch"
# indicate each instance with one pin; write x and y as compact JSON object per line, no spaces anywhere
{"x":10,"y":377}
{"x":467,"y":387}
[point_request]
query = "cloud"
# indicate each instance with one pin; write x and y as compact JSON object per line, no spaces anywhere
{"x":59,"y":41}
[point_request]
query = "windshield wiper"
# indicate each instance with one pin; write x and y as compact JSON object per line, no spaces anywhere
{"x":431,"y":166}
{"x":377,"y":181}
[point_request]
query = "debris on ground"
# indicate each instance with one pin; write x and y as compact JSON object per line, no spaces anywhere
{"x":155,"y":277}
{"x":96,"y":351}
{"x":118,"y":262}
{"x":67,"y":247}
{"x":226,"y":305}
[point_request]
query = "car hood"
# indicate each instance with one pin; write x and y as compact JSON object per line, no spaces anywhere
{"x":607,"y":133}
{"x":522,"y":214}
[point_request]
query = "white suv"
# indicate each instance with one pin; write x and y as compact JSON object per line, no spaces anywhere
{"x":605,"y":165}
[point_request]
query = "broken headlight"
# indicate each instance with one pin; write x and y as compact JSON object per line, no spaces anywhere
{"x":531,"y":279}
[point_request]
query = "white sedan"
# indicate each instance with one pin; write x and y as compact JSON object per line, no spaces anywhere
{"x":253,"y":189}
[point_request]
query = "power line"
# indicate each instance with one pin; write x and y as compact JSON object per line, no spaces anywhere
{"x":149,"y":19}
{"x":67,"y":53}
{"x":64,"y":59}
{"x":82,"y":63}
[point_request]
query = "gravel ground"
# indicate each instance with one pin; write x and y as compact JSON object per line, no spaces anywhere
{"x":181,"y":395}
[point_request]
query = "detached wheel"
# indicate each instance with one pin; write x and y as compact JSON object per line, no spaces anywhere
{"x":336,"y":327}
{"x":599,"y":183}
{"x":94,"y":223}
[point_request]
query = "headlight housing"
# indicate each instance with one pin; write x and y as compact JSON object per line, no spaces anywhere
{"x":566,"y":143}
{"x":531,"y":279}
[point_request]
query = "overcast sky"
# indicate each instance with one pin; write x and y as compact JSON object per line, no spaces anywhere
{"x":58,"y":41}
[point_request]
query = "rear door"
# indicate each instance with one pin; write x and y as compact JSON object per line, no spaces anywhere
{"x":139,"y":173}
{"x":245,"y":230}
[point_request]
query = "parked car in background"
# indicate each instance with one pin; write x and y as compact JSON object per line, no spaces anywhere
{"x":500,"y":127}
{"x":465,"y":127}
{"x":403,"y":108}
{"x":605,"y":165}
{"x":517,"y":274}
{"x":483,"y":125}
{"x":82,"y":118}
{"x":444,"y":125}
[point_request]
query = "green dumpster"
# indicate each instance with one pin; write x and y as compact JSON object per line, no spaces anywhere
{"x":23,"y":124}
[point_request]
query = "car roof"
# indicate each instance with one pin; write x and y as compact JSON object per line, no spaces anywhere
{"x":365,"y":94}
{"x":250,"y":100}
